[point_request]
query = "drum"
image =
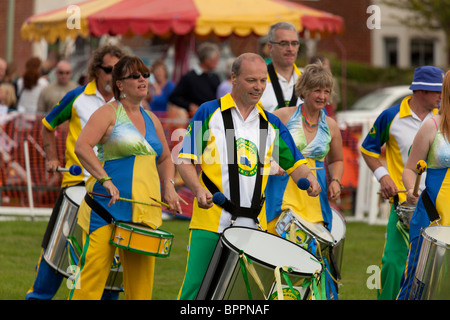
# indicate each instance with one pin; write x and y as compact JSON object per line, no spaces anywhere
{"x":293,"y":227}
{"x":245,"y":263}
{"x":404,"y":212}
{"x":65,"y":243}
{"x":141,"y":239}
{"x":338,"y":230}
{"x":431,"y":280}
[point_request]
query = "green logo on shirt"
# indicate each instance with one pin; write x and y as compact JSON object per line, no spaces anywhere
{"x":247,"y":156}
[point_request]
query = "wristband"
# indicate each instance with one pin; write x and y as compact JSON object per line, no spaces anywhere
{"x":380,"y":172}
{"x":334,"y":179}
{"x":102,"y":180}
{"x":171,"y":181}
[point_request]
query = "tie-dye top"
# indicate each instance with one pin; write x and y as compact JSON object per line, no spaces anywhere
{"x":318,"y":148}
{"x":439,"y":154}
{"x":126,"y":140}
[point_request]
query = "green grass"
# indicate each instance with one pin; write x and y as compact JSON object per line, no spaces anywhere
{"x":21,"y":241}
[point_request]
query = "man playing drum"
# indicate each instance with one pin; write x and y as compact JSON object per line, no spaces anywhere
{"x":235,"y":125}
{"x":396,"y":127}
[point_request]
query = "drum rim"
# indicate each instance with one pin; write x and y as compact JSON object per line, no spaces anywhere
{"x":163,"y":234}
{"x":310,"y":232}
{"x":344,"y":224}
{"x":69,"y":198}
{"x":434,"y":240}
{"x":266,"y":264}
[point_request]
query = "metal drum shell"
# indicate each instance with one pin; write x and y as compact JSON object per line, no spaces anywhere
{"x":223,"y":278}
{"x":431,"y":280}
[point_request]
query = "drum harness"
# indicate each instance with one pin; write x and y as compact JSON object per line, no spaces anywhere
{"x":277,"y":89}
{"x":233,"y":206}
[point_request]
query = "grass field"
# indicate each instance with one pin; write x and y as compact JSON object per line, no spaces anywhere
{"x":21,"y":240}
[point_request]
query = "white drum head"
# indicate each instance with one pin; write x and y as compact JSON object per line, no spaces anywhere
{"x":271,"y":250}
{"x":338,"y":227}
{"x":440,"y":234}
{"x":317,"y":229}
{"x":76,"y":194}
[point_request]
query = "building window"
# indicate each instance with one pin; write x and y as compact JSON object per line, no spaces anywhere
{"x":422,"y":52}
{"x":391,"y":51}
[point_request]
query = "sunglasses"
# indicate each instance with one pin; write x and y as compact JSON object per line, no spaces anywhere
{"x":64,"y":72}
{"x":107,"y":70}
{"x":137,"y":76}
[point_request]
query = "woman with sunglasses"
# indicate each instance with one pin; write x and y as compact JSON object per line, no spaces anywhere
{"x":133,"y":157}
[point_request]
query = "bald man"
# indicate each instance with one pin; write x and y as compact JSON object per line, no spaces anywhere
{"x":55,"y":91}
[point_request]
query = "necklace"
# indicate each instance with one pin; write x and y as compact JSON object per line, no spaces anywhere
{"x":309,"y":124}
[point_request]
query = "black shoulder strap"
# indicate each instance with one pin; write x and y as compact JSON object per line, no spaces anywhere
{"x":102,"y":212}
{"x":277,"y":88}
{"x":233,"y":166}
{"x":429,"y":206}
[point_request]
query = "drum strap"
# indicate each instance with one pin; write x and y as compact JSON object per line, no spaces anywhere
{"x":233,"y":169}
{"x":102,"y":212}
{"x":277,"y":88}
{"x":433,"y":215}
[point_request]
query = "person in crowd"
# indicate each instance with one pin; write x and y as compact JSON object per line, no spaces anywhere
{"x":30,"y":85}
{"x":8,"y":97}
{"x":133,"y":155}
{"x":76,"y":107}
{"x":199,"y":84}
{"x":3,"y":67}
{"x":284,"y":45}
{"x":431,"y":144}
{"x":225,"y":86}
{"x":160,"y":87}
{"x":241,"y":181}
{"x":395,"y":128}
{"x":55,"y":91}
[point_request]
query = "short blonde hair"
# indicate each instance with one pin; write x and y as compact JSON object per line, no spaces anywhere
{"x":10,"y":94}
{"x":314,"y":75}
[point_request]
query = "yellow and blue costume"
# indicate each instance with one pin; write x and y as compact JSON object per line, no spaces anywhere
{"x":130,"y":160}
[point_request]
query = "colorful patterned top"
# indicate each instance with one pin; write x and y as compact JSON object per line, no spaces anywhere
{"x":130,"y":160}
{"x":396,"y":127}
{"x":206,"y":144}
{"x":283,"y":194}
{"x":437,"y":185}
{"x":77,"y":106}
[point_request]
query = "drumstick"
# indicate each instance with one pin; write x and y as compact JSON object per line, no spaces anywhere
{"x":73,"y":170}
{"x":399,"y":191}
{"x":124,"y":199}
{"x":162,"y":203}
{"x":421,"y":167}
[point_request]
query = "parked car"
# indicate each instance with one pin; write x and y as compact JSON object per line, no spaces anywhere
{"x":371,"y":105}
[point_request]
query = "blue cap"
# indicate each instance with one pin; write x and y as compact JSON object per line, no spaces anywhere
{"x":427,"y":78}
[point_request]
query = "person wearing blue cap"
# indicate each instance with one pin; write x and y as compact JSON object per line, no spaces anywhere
{"x":395,"y":128}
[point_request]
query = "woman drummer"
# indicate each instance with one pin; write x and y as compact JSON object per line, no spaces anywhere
{"x":133,"y":157}
{"x":431,"y":144}
{"x":317,"y":136}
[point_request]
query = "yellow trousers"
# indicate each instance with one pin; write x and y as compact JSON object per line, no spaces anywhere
{"x":95,"y":264}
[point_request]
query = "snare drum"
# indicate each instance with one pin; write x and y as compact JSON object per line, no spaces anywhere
{"x":293,"y":227}
{"x":65,"y":243}
{"x":228,"y":279}
{"x":141,"y":239}
{"x":404,"y":212}
{"x":431,"y":280}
